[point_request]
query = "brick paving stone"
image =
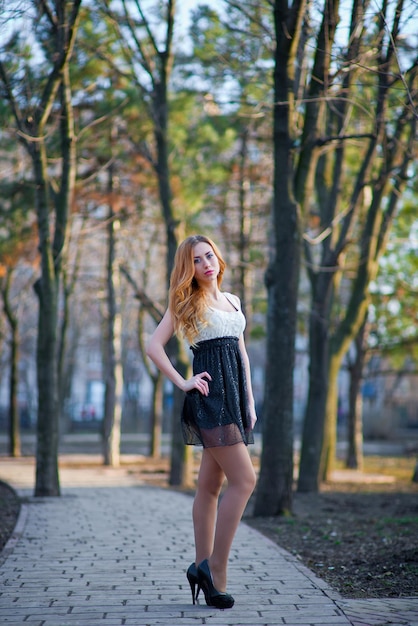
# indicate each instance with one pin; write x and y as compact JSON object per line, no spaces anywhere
{"x":375,"y":612}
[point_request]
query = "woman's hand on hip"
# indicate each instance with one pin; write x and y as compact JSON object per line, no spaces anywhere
{"x":199,"y":382}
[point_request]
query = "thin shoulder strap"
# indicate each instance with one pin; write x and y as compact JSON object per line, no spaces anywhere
{"x":230,"y":302}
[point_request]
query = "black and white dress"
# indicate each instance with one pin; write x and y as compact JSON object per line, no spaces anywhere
{"x":222,"y":418}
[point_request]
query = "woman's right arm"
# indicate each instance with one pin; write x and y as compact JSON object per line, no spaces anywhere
{"x":156,"y":352}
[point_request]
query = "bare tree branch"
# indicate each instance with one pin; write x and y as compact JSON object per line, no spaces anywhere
{"x":147,"y":303}
{"x":47,"y":11}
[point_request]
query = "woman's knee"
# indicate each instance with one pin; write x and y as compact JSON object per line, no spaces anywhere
{"x":249,"y":480}
{"x":243,"y":477}
{"x":253,"y":480}
{"x":209,"y":488}
{"x":210,"y":483}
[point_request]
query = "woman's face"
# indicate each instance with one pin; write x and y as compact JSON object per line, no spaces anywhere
{"x":206,"y":264}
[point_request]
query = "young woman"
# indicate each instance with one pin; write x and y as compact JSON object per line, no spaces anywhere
{"x":219,"y":411}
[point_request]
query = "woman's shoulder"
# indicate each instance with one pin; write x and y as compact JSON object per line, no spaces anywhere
{"x":233,"y":299}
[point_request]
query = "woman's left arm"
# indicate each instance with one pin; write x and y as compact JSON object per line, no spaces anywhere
{"x":246,"y":360}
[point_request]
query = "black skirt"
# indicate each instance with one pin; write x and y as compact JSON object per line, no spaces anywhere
{"x":221,"y":418}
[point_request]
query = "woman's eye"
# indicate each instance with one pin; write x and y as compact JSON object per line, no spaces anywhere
{"x":197,"y":261}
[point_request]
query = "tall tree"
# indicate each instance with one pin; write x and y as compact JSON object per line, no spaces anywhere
{"x":148,"y":61}
{"x":274,"y":492}
{"x":113,"y":340}
{"x":37,"y":88}
{"x":355,"y":365}
{"x":385,"y":139}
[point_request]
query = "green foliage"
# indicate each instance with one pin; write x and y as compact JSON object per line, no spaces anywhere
{"x":393,"y":311}
{"x":258,"y":331}
{"x":233,"y":49}
{"x":199,"y":145}
{"x":17,"y":214}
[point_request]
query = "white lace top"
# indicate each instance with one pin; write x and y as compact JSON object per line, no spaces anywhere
{"x":223,"y":323}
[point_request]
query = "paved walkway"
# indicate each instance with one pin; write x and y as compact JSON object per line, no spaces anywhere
{"x":113,"y":552}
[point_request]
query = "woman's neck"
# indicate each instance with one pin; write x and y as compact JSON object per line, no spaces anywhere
{"x":212,"y":293}
{"x":215,"y":294}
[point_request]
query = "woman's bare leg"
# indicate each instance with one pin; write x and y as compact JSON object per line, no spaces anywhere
{"x":236,"y":464}
{"x":205,"y":506}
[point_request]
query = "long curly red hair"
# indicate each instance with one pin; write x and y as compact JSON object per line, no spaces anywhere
{"x":186,"y":299}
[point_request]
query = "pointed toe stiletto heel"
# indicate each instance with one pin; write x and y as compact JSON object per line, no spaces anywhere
{"x":213,"y":597}
{"x":193,"y":579}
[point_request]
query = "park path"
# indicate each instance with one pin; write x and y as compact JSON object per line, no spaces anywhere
{"x":112,"y":551}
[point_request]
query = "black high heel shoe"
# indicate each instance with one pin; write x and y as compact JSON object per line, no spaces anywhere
{"x":213,"y":597}
{"x":193,"y":579}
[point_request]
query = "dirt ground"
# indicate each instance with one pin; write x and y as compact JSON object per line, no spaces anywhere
{"x":361,"y":537}
{"x":360,"y":534}
{"x":364,"y":544}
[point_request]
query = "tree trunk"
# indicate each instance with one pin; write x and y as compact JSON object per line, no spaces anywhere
{"x":62,"y":380}
{"x":47,"y":479}
{"x":66,"y":358}
{"x":14,"y":426}
{"x":156,"y":312}
{"x":181,"y":469}
{"x":328,"y":451}
{"x":113,"y":385}
{"x":274,"y":491}
{"x":354,"y":458}
{"x":63,"y":201}
{"x":113,"y":349}
{"x":415,"y":474}
{"x":338,"y":346}
{"x":314,"y":421}
{"x":244,"y":231}
{"x":156,"y":416}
